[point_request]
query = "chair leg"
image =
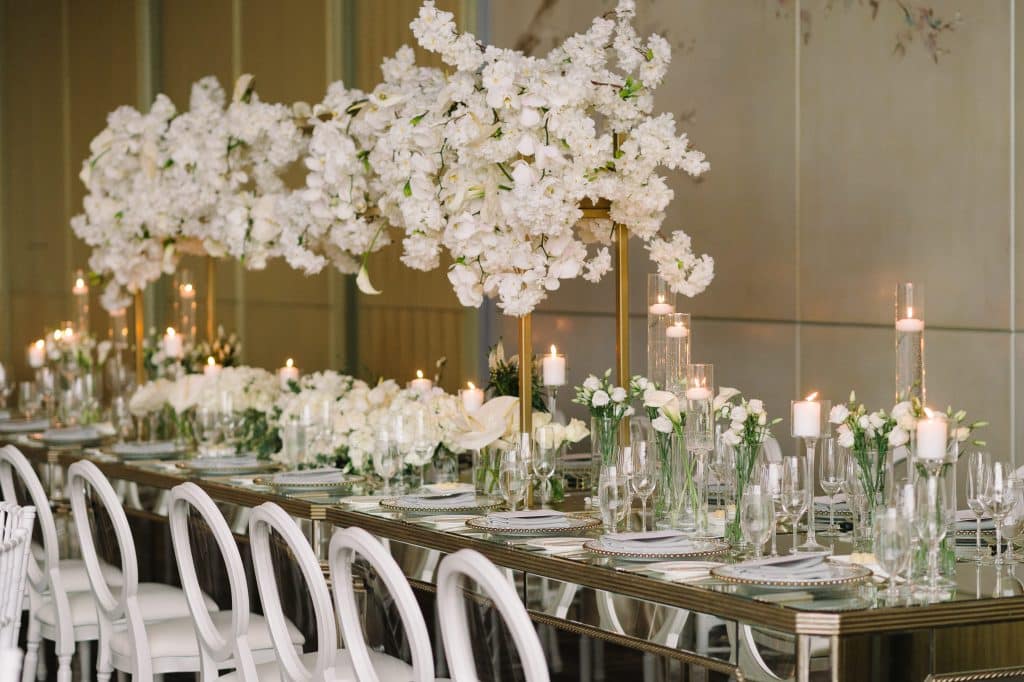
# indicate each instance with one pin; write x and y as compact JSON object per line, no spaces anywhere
{"x":64,"y":668}
{"x":104,"y":664}
{"x":85,"y":666}
{"x":32,"y":660}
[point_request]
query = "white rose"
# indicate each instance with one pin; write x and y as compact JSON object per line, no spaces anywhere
{"x":739,"y":414}
{"x":576,"y":431}
{"x":839,"y":414}
{"x":731,"y":437}
{"x":907,"y":422}
{"x":901,"y":409}
{"x":185,"y":392}
{"x":592,"y":383}
{"x":898,"y":437}
{"x":755,"y":406}
{"x":845,"y":438}
{"x":876,"y":420}
{"x":600,"y":399}
{"x":863,"y":421}
{"x":661,"y":424}
{"x":962,"y":433}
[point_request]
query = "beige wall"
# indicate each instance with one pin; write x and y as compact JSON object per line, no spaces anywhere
{"x":838,"y":167}
{"x":66,"y":64}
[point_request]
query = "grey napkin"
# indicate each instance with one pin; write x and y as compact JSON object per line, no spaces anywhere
{"x":787,"y":565}
{"x":438,"y":500}
{"x":322,"y":475}
{"x":144,"y":448}
{"x":531,"y":518}
{"x":657,"y":541}
{"x":71,"y":434}
{"x":19,"y":426}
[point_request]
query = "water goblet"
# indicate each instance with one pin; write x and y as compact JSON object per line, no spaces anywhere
{"x":770,"y":476}
{"x":857,"y":501}
{"x":7,"y":385}
{"x":513,"y":477}
{"x":386,"y":459}
{"x":831,"y":475}
{"x":1000,"y":499}
{"x":1014,"y":521}
{"x":757,"y":517}
{"x":794,"y":493}
{"x":932,"y":520}
{"x":547,"y":443}
{"x":645,"y":475}
{"x":979,"y":477}
{"x":612,"y":495}
{"x":892,"y":547}
{"x":28,"y":399}
{"x":424,"y":442}
{"x":207,"y":429}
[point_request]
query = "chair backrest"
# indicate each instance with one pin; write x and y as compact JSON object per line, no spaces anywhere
{"x":216,"y":649}
{"x":112,"y":607}
{"x":346,"y":544}
{"x":15,"y":466}
{"x":15,"y":543}
{"x":451,"y":608}
{"x":265,"y":520}
{"x":10,"y":665}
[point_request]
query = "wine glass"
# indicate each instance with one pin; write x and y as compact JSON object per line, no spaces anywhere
{"x":1014,"y":520}
{"x":831,"y":475}
{"x":386,"y":458}
{"x":757,"y":517}
{"x":46,"y":383}
{"x":892,"y":546}
{"x":545,"y":457}
{"x":207,"y":429}
{"x":856,"y":500}
{"x":979,"y":477}
{"x":645,"y":475}
{"x":7,"y":385}
{"x":28,"y":399}
{"x":612,"y":495}
{"x":423,"y":443}
{"x":770,"y":475}
{"x":513,"y":477}
{"x":931,"y":525}
{"x":794,"y":493}
{"x":723,"y":466}
{"x":1000,"y":499}
{"x":229,"y":419}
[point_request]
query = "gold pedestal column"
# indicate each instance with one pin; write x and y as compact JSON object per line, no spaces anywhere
{"x":211,"y":297}
{"x":526,"y":390}
{"x":140,"y":335}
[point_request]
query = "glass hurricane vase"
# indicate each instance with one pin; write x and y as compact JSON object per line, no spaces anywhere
{"x":604,"y":441}
{"x":747,"y":455}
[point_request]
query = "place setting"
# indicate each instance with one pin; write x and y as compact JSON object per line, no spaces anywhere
{"x":73,"y":436}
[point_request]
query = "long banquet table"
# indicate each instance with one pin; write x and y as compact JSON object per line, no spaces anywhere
{"x":837,"y":633}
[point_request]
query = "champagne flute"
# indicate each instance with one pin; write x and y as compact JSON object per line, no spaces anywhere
{"x":386,"y":459}
{"x":207,"y":427}
{"x":1014,"y":520}
{"x":27,"y":399}
{"x":831,"y":475}
{"x":931,"y":525}
{"x":771,"y":483}
{"x":612,"y":493}
{"x":856,"y":500}
{"x":1000,"y":500}
{"x":892,"y":545}
{"x":545,"y":457}
{"x":757,"y":517}
{"x":645,"y":475}
{"x":794,"y":493}
{"x":513,"y":477}
{"x":979,"y":477}
{"x":7,"y":385}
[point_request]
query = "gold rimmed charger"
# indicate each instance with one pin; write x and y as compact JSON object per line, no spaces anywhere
{"x":844,"y":574}
{"x":700,"y":548}
{"x":574,"y":523}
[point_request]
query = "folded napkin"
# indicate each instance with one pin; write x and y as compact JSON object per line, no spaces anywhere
{"x":787,"y":565}
{"x":656,"y":541}
{"x":224,"y":462}
{"x":452,"y":499}
{"x":322,"y":475}
{"x":966,"y":520}
{"x":71,"y":434}
{"x":531,"y":518}
{"x":20,"y":426}
{"x":158,"y":447}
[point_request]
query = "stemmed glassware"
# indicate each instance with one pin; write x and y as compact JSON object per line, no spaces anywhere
{"x":207,"y":430}
{"x":857,"y":501}
{"x":645,"y":475}
{"x":613,"y":495}
{"x":794,"y":493}
{"x":757,"y":517}
{"x":832,"y":475}
{"x":6,"y":385}
{"x":905,"y":499}
{"x":513,"y":477}
{"x":810,"y":422}
{"x":1014,"y":521}
{"x":28,"y":399}
{"x":1000,"y":500}
{"x":545,"y":457}
{"x":892,"y":547}
{"x":771,"y":483}
{"x":723,"y":466}
{"x":931,"y":525}
{"x":386,"y":458}
{"x":979,"y":478}
{"x":423,"y":442}
{"x":230,"y":419}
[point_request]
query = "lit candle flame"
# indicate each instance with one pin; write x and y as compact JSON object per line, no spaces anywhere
{"x":57,"y":334}
{"x":40,"y":344}
{"x":811,"y":396}
{"x":419,"y":374}
{"x":661,"y":298}
{"x":210,"y":361}
{"x":186,"y":288}
{"x":289,"y":363}
{"x":928,"y":411}
{"x":471,"y":386}
{"x":910,"y":312}
{"x":554,"y":351}
{"x":79,"y":283}
{"x":170,"y":331}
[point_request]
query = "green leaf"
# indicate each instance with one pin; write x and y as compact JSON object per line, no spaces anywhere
{"x":407,"y":190}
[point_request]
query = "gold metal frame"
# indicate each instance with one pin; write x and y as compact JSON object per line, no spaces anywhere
{"x":1015,"y":673}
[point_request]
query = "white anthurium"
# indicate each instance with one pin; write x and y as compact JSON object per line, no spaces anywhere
{"x":489,"y":424}
{"x":725,"y":394}
{"x":185,"y":393}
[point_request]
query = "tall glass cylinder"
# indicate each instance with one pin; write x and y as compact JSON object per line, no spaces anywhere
{"x":677,"y":352}
{"x":185,"y":305}
{"x":700,"y":432}
{"x":910,"y":342}
{"x":80,"y":292}
{"x":119,"y":328}
{"x":661,"y":302}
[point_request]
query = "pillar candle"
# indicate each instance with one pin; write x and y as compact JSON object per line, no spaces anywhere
{"x":288,"y":373}
{"x":807,"y":418}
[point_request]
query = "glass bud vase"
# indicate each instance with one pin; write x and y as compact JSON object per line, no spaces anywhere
{"x":746,"y":456}
{"x":687,"y":496}
{"x":485,"y":470}
{"x":604,"y":440}
{"x":665,"y":492}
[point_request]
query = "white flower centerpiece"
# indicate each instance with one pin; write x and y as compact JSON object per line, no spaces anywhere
{"x":608,"y":406}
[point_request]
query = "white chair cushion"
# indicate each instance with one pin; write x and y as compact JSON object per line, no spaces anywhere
{"x":76,"y":579}
{"x":387,"y":667}
{"x":157,"y":601}
{"x":177,"y":638}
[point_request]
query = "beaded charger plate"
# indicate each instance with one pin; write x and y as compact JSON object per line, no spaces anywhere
{"x":480,"y":503}
{"x":702,"y":548}
{"x":199,"y":467}
{"x":310,"y":486}
{"x":840,"y":574}
{"x":128,"y":451}
{"x":571,"y":524}
{"x":67,"y":442}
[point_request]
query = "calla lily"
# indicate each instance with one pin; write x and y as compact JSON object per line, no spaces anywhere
{"x":488,"y":424}
{"x":725,"y":394}
{"x":363,"y":282}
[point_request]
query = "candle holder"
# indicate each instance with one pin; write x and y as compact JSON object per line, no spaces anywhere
{"x":677,"y":352}
{"x":809,"y":421}
{"x":910,"y":342}
{"x":554,"y":368}
{"x":700,"y":435}
{"x":185,"y":305}
{"x":80,"y":291}
{"x":661,"y":302}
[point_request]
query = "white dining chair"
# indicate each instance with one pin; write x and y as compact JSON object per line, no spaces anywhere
{"x":141,"y":632}
{"x":10,"y":665}
{"x":451,"y":608}
{"x":15,"y":540}
{"x":328,"y":663}
{"x":235,"y":638}
{"x":61,"y":606}
{"x":346,"y":545}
